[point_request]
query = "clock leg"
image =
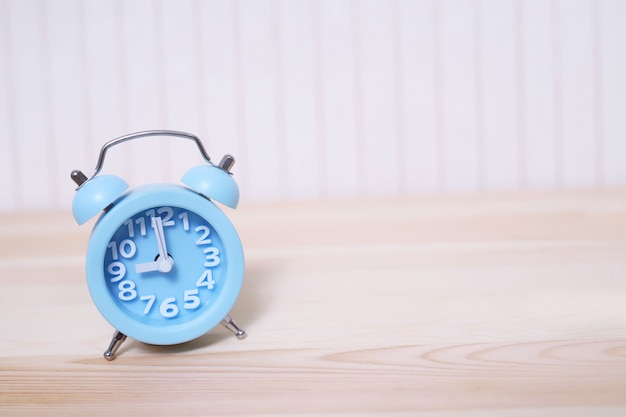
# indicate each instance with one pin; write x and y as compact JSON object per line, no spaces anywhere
{"x":116,"y":342}
{"x":232,"y":326}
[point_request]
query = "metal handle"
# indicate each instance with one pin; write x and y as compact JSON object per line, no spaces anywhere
{"x":145,"y":133}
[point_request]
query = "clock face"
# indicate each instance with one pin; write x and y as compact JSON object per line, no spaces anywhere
{"x":165,"y":264}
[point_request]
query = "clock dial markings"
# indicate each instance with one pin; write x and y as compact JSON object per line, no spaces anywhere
{"x":126,"y":283}
{"x":126,"y":249}
{"x":141,"y":222}
{"x":117,"y":270}
{"x":191,"y":299}
{"x":184,"y":216}
{"x":205,"y":230}
{"x":206,"y":280}
{"x":167,"y":219}
{"x":168,"y":308}
{"x":150,"y":301}
{"x":127,"y":290}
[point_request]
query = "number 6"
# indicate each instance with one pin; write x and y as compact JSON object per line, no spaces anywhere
{"x":168,"y":309}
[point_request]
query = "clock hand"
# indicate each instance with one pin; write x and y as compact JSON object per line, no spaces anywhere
{"x":164,"y":263}
{"x":147,"y":267}
{"x":157,"y":225}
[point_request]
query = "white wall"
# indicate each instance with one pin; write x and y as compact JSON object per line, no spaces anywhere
{"x":315,"y":98}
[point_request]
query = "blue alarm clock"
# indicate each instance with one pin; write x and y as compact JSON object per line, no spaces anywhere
{"x":164,"y":263}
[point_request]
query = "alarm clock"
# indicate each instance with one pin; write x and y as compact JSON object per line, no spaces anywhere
{"x":164,"y":264}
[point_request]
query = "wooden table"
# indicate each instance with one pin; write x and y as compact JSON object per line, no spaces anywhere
{"x":497,"y":305}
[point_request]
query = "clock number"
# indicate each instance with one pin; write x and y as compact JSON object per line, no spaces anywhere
{"x":167,"y":219}
{"x":184,"y":216}
{"x":169,"y":213}
{"x":127,"y":249}
{"x":203,"y":240}
{"x":142,"y":225}
{"x":127,"y":290}
{"x":192,"y":301}
{"x":117,"y":270}
{"x":113,"y":247}
{"x":150,"y":301}
{"x":206,"y":280}
{"x":211,"y":257}
{"x":211,"y":254}
{"x":131,"y":227}
{"x":168,"y":308}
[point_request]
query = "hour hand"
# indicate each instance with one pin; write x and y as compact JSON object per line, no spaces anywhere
{"x":147,"y":267}
{"x":161,"y":265}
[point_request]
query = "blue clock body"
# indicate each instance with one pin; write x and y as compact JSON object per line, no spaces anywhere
{"x":155,"y":306}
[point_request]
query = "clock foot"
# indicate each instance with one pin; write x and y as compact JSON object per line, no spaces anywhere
{"x":232,"y":326}
{"x":116,"y":342}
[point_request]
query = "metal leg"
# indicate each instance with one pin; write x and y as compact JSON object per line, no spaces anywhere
{"x":232,"y":326}
{"x":116,"y":342}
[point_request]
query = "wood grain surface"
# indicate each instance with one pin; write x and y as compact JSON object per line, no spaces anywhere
{"x":498,"y":305}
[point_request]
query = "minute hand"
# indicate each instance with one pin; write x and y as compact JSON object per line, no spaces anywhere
{"x":164,"y":263}
{"x":157,"y":225}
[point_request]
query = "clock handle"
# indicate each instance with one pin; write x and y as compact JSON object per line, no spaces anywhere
{"x":146,"y":133}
